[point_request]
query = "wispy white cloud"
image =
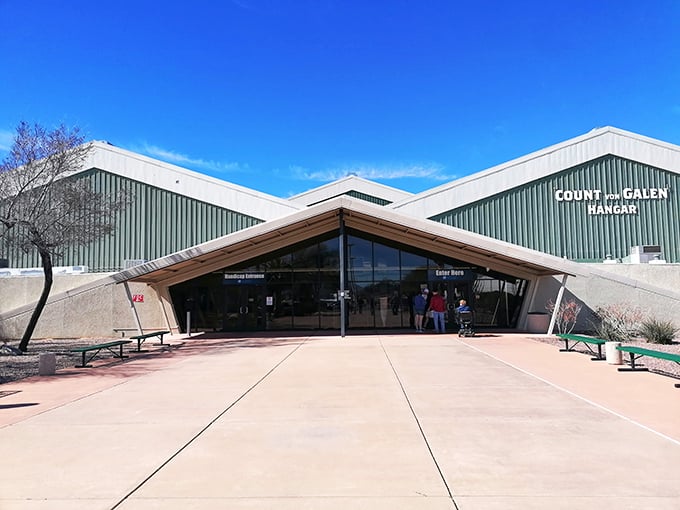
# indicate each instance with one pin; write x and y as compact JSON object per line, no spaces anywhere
{"x":387,"y":172}
{"x":6,"y":139}
{"x":178,"y":158}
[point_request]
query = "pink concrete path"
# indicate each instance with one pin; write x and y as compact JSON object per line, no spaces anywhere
{"x":387,"y":421}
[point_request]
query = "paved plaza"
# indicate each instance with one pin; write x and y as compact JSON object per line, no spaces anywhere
{"x":383,"y":421}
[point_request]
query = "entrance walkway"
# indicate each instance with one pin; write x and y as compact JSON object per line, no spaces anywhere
{"x":368,"y":422}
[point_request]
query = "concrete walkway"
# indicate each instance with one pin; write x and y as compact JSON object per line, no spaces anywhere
{"x":366,"y":422}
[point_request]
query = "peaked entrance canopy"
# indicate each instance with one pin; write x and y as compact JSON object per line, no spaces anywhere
{"x":355,"y":214}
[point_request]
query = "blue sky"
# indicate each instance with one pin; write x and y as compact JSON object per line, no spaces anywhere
{"x":285,"y":95}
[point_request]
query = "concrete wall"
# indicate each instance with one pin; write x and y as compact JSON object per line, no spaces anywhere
{"x":16,"y":291}
{"x":653,"y":288}
{"x":92,"y":308}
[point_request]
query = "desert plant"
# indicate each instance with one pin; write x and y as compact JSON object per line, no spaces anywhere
{"x":567,"y":315}
{"x":658,"y":332}
{"x":618,"y":322}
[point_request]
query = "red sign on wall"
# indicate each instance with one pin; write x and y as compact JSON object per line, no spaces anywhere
{"x":138,"y":298}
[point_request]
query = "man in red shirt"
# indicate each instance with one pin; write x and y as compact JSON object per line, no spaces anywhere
{"x":438,"y":308}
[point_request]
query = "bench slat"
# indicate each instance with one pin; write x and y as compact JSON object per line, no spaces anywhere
{"x":149,"y":335}
{"x":100,"y":346}
{"x":581,"y":338}
{"x":649,"y":352}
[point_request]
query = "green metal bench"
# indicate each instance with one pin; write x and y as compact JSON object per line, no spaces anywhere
{"x":637,"y":352}
{"x":585,"y":340}
{"x":141,"y":338}
{"x":97,"y":348}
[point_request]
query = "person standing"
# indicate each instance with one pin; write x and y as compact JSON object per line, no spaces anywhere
{"x":438,"y":307}
{"x":419,"y":306}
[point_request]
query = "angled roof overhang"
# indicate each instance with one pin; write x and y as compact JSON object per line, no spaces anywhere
{"x":362,"y":216}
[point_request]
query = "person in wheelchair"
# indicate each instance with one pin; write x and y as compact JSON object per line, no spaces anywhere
{"x":465,"y":319}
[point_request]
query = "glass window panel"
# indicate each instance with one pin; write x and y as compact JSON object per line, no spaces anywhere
{"x":440,"y":263}
{"x":486,"y":300}
{"x":306,"y":258}
{"x":362,"y":309}
{"x":414,"y":276}
{"x":280,"y":312}
{"x":386,"y":263}
{"x":277,"y":263}
{"x":386,"y":258}
{"x":387,"y":300}
{"x":412,"y":261}
{"x":329,"y":306}
{"x":409,"y":290}
{"x":306,"y":299}
{"x":329,"y":254}
{"x":359,"y":252}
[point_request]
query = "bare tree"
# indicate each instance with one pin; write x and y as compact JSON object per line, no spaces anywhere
{"x":45,"y":207}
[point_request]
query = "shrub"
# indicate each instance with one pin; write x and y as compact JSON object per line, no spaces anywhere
{"x":658,"y":332}
{"x":567,"y":315}
{"x":618,"y":322}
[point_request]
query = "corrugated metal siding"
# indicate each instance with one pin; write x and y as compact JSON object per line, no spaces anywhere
{"x":157,"y":223}
{"x":530,"y":216}
{"x":367,"y":198}
{"x":360,"y":196}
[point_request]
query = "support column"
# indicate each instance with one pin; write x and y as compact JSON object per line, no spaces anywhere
{"x":133,"y":309}
{"x":558,"y":303}
{"x":165,"y":302}
{"x":341,"y":295}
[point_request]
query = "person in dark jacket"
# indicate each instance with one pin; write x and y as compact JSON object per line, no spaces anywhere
{"x":419,"y":307}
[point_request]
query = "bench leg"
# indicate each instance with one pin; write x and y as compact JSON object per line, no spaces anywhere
{"x":120,"y":355}
{"x":632,"y":368}
{"x":86,"y":362}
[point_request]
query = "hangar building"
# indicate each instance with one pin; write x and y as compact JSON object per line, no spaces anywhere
{"x":592,"y":219}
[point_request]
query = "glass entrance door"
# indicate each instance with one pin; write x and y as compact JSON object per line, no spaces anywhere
{"x":453,"y":291}
{"x":244,"y":308}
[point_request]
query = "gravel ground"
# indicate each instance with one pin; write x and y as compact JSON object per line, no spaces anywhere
{"x":13,"y":367}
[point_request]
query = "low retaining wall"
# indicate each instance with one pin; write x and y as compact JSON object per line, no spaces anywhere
{"x":94,"y":308}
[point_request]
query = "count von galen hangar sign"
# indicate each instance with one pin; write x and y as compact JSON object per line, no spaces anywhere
{"x":606,"y":206}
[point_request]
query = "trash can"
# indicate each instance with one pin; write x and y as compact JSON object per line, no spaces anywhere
{"x":612,"y":354}
{"x":47,"y":364}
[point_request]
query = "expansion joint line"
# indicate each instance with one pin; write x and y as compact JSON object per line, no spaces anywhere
{"x":420,"y":427}
{"x":210,"y":424}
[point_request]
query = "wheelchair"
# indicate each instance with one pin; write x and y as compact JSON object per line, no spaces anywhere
{"x":465,"y":320}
